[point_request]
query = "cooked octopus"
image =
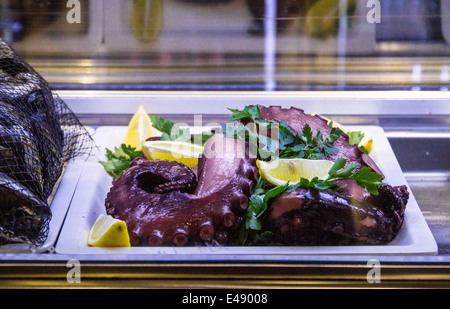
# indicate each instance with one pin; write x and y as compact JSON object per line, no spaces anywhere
{"x":296,"y":120}
{"x":186,"y":212}
{"x":163,"y":203}
{"x":349,"y":216}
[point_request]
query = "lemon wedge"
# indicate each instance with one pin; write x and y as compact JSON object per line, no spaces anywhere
{"x":108,"y":232}
{"x":366,"y":141}
{"x":182,"y":152}
{"x":139,"y":129}
{"x":278,"y":172}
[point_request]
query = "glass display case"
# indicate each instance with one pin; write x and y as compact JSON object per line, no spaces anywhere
{"x":381,"y":67}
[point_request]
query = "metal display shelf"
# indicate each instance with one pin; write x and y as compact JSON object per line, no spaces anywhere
{"x":417,"y":125}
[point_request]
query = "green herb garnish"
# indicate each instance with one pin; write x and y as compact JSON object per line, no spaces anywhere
{"x":287,"y":144}
{"x":364,"y":177}
{"x":253,"y":113}
{"x":355,"y":137}
{"x":308,"y":147}
{"x":172,"y":132}
{"x":250,"y":232}
{"x":120,"y":159}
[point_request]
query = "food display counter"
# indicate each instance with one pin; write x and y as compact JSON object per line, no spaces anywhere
{"x":380,"y":68}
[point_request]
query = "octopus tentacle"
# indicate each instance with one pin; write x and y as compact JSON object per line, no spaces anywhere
{"x":208,"y":213}
{"x":296,"y":215}
{"x":350,"y":216}
{"x":296,"y":119}
{"x":163,"y":203}
{"x":162,"y":176}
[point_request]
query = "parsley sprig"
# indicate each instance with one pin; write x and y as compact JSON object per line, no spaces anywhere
{"x":253,"y":113}
{"x":355,"y":137}
{"x":252,"y":233}
{"x":307,"y":146}
{"x":119,"y":160}
{"x":364,"y":177}
{"x":287,"y":145}
{"x":172,"y":132}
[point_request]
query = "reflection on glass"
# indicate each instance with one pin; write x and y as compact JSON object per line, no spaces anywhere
{"x":146,"y":19}
{"x":234,"y":44}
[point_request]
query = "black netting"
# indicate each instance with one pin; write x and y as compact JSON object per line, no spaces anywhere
{"x":38,"y":136}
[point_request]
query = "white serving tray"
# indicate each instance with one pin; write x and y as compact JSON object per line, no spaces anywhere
{"x":414,"y":238}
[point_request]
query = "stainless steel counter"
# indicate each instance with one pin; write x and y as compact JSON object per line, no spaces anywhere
{"x":212,"y":53}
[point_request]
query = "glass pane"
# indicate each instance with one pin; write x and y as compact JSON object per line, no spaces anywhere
{"x":233,"y":44}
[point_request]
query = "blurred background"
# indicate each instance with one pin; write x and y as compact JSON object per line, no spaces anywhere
{"x":233,"y":44}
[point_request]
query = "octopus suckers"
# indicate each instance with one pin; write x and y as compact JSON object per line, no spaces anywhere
{"x":164,"y":203}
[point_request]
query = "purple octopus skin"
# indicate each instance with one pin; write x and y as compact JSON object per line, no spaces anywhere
{"x":347,"y":217}
{"x":211,"y":214}
{"x":164,"y":176}
{"x":296,"y":120}
{"x":313,"y":217}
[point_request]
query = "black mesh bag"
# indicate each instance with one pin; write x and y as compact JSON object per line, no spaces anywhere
{"x":38,"y":136}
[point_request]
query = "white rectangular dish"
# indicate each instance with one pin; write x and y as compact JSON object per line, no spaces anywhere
{"x":414,"y":238}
